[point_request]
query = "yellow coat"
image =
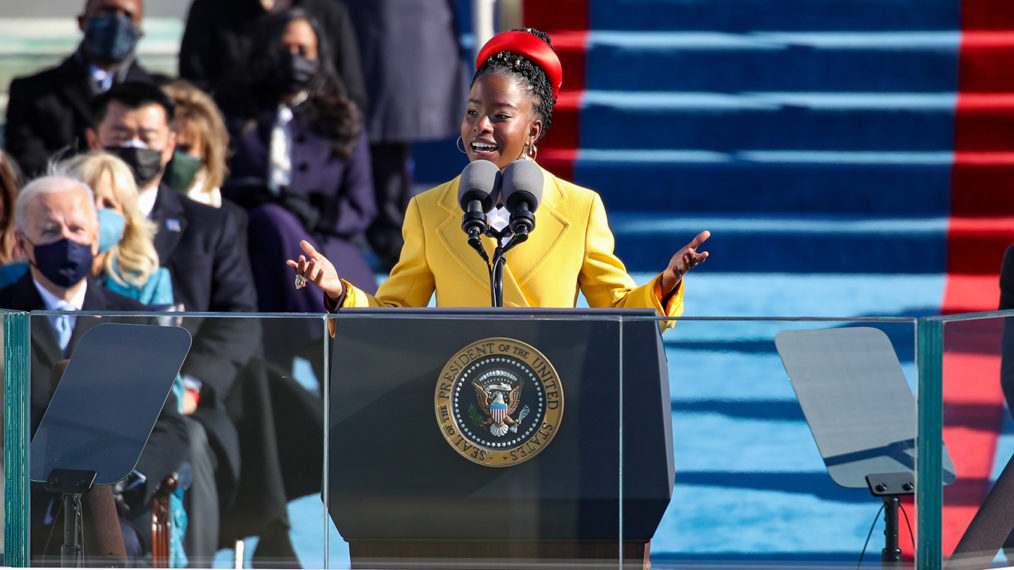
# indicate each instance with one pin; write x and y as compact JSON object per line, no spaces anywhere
{"x":570,"y":249}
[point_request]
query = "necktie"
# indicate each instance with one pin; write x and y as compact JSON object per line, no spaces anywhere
{"x":62,"y":325}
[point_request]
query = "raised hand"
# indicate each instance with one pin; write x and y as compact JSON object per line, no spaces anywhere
{"x":316,"y":269}
{"x":684,"y":260}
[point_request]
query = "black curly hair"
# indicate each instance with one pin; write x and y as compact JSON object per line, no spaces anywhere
{"x":521,"y":66}
{"x":327,"y":110}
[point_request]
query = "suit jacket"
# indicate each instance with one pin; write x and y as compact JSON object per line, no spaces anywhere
{"x":49,"y":112}
{"x":218,"y":36}
{"x":570,"y":249}
{"x":201,"y":247}
{"x":167,"y":446}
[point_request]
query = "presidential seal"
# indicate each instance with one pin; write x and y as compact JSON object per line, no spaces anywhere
{"x":498,"y":402}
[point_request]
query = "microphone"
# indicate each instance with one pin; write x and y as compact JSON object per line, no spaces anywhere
{"x":522,"y":192}
{"x":477,"y":192}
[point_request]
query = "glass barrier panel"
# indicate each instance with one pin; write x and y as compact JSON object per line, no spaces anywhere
{"x":232,"y":468}
{"x":775,"y":423}
{"x":751,"y":486}
{"x":15,"y":438}
{"x":970,"y":396}
{"x":476,"y":439}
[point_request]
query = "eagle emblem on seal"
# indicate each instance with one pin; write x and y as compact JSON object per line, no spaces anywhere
{"x":499,"y":402}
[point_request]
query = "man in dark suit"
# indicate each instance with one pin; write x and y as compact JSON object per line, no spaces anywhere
{"x":57,"y":232}
{"x":210,"y":272}
{"x":48,"y":112}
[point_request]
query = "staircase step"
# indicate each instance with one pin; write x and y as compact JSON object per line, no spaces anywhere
{"x":741,"y":15}
{"x":987,"y":56}
{"x":789,"y":121}
{"x":984,"y":122}
{"x":772,"y":61}
{"x":800,"y":182}
{"x":780,"y":244}
{"x":982,"y":183}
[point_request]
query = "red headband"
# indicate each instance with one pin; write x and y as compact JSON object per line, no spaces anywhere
{"x":530,"y":46}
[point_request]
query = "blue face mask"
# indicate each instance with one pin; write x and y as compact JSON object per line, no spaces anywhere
{"x":111,"y":39}
{"x":111,"y":227}
{"x":65,"y":262}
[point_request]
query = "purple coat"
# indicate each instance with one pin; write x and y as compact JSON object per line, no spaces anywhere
{"x":330,"y":202}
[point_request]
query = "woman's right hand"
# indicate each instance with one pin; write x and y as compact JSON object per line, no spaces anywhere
{"x":318,"y":270}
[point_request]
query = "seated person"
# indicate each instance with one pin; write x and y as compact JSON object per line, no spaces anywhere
{"x":300,"y":160}
{"x":198,"y":166}
{"x":127,"y":262}
{"x":48,"y":112}
{"x":57,"y":232}
{"x":300,"y":165}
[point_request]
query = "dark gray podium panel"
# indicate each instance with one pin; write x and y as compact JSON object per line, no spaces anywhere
{"x":108,"y":400}
{"x":856,"y":400}
{"x":393,"y":475}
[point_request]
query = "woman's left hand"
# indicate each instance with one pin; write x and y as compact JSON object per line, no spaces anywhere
{"x":684,"y":260}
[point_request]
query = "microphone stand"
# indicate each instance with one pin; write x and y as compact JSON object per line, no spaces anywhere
{"x":495,"y":266}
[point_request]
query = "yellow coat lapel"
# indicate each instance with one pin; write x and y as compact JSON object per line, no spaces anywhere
{"x":450,"y":234}
{"x":525,"y":260}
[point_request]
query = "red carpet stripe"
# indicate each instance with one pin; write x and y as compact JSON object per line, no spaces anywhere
{"x":566,"y":21}
{"x":980,"y":228}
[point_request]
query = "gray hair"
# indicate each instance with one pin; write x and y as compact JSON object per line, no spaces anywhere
{"x":50,"y":184}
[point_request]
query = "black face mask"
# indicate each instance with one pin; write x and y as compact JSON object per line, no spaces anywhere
{"x":145,"y":163}
{"x":111,"y":38}
{"x":65,"y":262}
{"x":293,"y":72}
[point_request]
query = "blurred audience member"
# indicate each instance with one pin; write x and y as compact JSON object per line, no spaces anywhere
{"x":126,"y":262}
{"x":49,"y":112}
{"x":300,"y":163}
{"x":198,"y":166}
{"x":219,"y":37}
{"x":416,"y":83}
{"x":57,"y":231}
{"x":11,"y":266}
{"x":210,"y":272}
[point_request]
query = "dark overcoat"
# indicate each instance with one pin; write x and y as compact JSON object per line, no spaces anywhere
{"x":332,"y":197}
{"x":414,"y":67}
{"x":49,"y":112}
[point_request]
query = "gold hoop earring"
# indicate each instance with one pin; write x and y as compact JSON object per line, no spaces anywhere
{"x":460,"y":144}
{"x":533,"y":151}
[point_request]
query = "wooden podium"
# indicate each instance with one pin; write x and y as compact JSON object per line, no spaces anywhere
{"x":408,"y":487}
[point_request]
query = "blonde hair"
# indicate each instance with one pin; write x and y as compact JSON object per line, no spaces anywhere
{"x":195,"y":109}
{"x":133,"y":259}
{"x":10,"y":183}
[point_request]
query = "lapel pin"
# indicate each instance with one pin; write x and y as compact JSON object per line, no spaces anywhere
{"x":173,"y":225}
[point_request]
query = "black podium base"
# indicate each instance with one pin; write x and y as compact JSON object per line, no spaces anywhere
{"x":498,"y":554}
